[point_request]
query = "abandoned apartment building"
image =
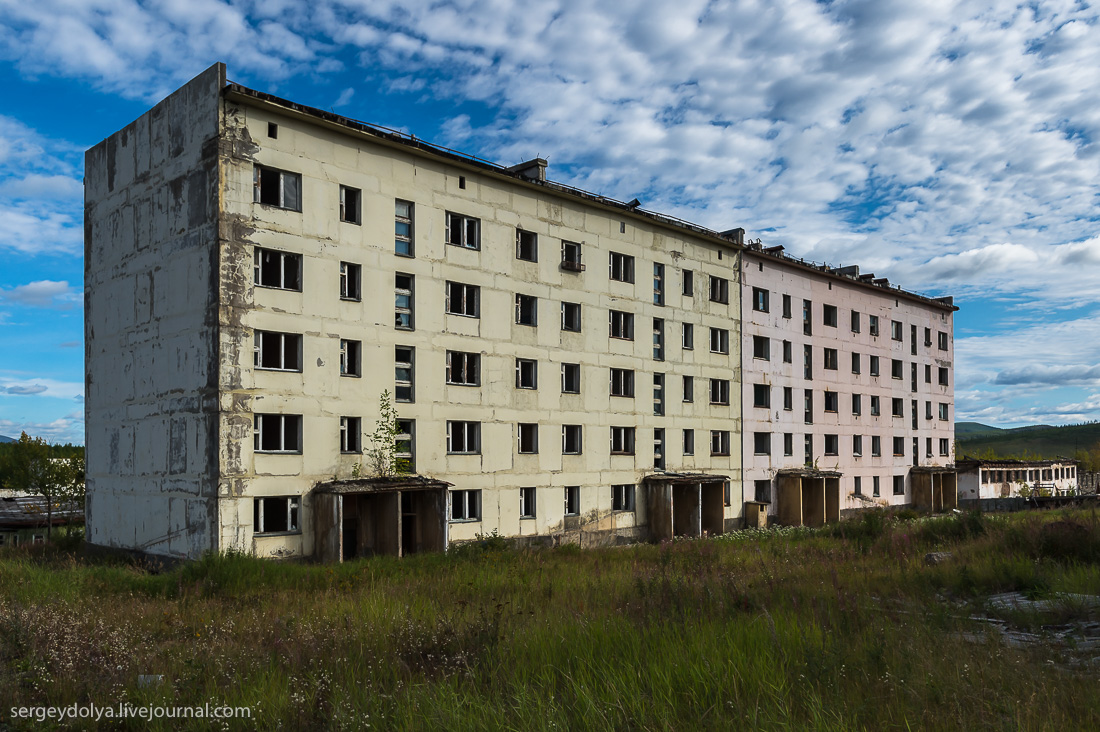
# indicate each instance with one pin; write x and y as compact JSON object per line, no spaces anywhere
{"x":848,"y":395}
{"x":258,"y":273}
{"x":1006,"y":478}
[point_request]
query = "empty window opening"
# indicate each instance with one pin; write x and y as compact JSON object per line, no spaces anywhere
{"x":277,"y":433}
{"x":350,"y":435}
{"x":688,"y":336}
{"x":403,"y":296}
{"x":526,"y":310}
{"x":621,"y":325}
{"x":277,"y":351}
{"x":351,"y":281}
{"x":351,"y":205}
{"x":658,"y":394}
{"x":276,"y":515}
{"x":622,"y":497}
{"x":658,"y":339}
{"x":571,"y":256}
{"x":762,"y":443}
{"x":527,"y":503}
{"x":689,"y":389}
{"x":463,"y":299}
{"x":528,"y":439}
{"x":571,"y":378}
{"x":277,"y":188}
{"x":622,"y":440}
{"x":272,"y":130}
{"x":571,"y":317}
{"x":689,"y":442}
{"x":463,"y":437}
{"x":465,"y":506}
{"x":527,"y":245}
{"x":463,"y":369}
{"x":572,"y":500}
{"x":527,"y":371}
{"x":351,"y":358}
{"x":720,"y":392}
{"x":658,"y":284}
{"x":829,"y":315}
{"x":761,"y":395}
{"x":278,"y":270}
{"x":688,"y":283}
{"x":760,"y":299}
{"x":621,"y":267}
{"x":463,"y":231}
{"x":719,"y":442}
{"x":720,"y":342}
{"x":622,"y":383}
{"x":719,"y":290}
{"x":571,"y":443}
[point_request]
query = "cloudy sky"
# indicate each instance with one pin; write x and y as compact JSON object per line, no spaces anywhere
{"x":949,"y":146}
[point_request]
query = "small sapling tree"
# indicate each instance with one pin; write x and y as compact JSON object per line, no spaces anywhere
{"x":382,"y":457}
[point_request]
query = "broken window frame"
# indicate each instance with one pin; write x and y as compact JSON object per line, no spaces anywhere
{"x":405,"y":444}
{"x":944,"y":413}
{"x":620,"y":325}
{"x":857,"y":445}
{"x":288,"y":278}
{"x":463,"y":437}
{"x":897,"y":407}
{"x":572,"y":439}
{"x":855,"y":321}
{"x":462,"y":299}
{"x":857,"y":404}
{"x":943,"y":376}
{"x":620,"y":267}
{"x":687,"y":336}
{"x":465,"y":506}
{"x":897,"y":368}
{"x":527,"y":245}
{"x":404,"y":302}
{"x":527,"y":373}
{"x":788,"y":352}
{"x":658,"y":284}
{"x":899,"y":485}
{"x":687,"y":285}
{"x":571,"y":253}
{"x":463,"y":231}
{"x":945,"y":447}
{"x":762,"y":396}
{"x":285,"y":347}
{"x":720,"y":343}
{"x":527,"y":438}
{"x":658,"y":339}
{"x":941,"y":340}
{"x":571,"y":317}
{"x":761,"y":346}
{"x":622,"y":497}
{"x":787,"y":307}
{"x":788,"y":398}
{"x":872,"y":325}
{"x":896,"y":333}
{"x":463,"y":368}
{"x":719,"y":443}
{"x":659,"y":448}
{"x":351,"y":205}
{"x":659,"y":395}
{"x":760,"y":299}
{"x":527,"y":502}
{"x":282,"y":433}
{"x":572,"y":505}
{"x":688,"y":438}
{"x":527,"y":310}
{"x":829,"y":316}
{"x":832,"y":401}
{"x":788,"y":444}
{"x":855,"y":363}
{"x":899,"y":447}
{"x":351,"y":435}
{"x":622,"y":440}
{"x":268,"y":510}
{"x":570,"y":373}
{"x":831,"y":359}
{"x":622,"y":383}
{"x":876,"y":446}
{"x":720,"y":392}
{"x":832,"y":445}
{"x":403,"y":228}
{"x":404,"y":374}
{"x":351,"y":358}
{"x":719,"y":290}
{"x":876,"y":409}
{"x":351,"y":281}
{"x":689,"y":389}
{"x":276,"y":188}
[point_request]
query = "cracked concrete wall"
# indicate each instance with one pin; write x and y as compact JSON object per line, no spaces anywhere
{"x":779,"y":278}
{"x":151,"y":203}
{"x":327,"y":158}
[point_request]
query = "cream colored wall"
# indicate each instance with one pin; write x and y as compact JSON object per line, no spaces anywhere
{"x":326,"y":159}
{"x":779,"y":278}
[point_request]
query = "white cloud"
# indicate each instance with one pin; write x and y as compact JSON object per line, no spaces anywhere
{"x":41,"y":387}
{"x":43,"y":294}
{"x":67,"y":429}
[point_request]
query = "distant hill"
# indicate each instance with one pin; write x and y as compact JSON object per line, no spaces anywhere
{"x":7,"y":439}
{"x":1039,"y":441}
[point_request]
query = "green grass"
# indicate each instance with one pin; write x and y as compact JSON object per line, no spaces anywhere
{"x":835,"y":629}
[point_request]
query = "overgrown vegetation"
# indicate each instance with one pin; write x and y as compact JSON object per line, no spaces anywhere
{"x":55,"y":473}
{"x":1079,"y":441}
{"x":841,"y":628}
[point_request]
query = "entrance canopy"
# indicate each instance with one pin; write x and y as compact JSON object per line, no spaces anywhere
{"x":685,"y":504}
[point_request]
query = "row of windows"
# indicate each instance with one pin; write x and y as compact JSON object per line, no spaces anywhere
{"x":282,"y":189}
{"x":1028,"y":476}
{"x":282,"y":434}
{"x":762,"y":398}
{"x":830,"y":359}
{"x":281,"y":270}
{"x":282,"y":514}
{"x":762,"y":445}
{"x":829,"y":318}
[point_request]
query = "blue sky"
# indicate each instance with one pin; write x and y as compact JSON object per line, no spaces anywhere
{"x":950,"y":146}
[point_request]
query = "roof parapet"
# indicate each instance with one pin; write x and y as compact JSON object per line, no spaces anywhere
{"x":737,"y":235}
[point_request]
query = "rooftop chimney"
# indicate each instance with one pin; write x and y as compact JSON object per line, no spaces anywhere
{"x":738,"y":236}
{"x":531,"y":170}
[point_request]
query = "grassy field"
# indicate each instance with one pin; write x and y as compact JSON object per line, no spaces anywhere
{"x":842,"y":628}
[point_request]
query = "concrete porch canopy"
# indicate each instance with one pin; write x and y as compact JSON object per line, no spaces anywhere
{"x":807,"y":496}
{"x":685,"y":504}
{"x":935,"y":488}
{"x":397,"y":516}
